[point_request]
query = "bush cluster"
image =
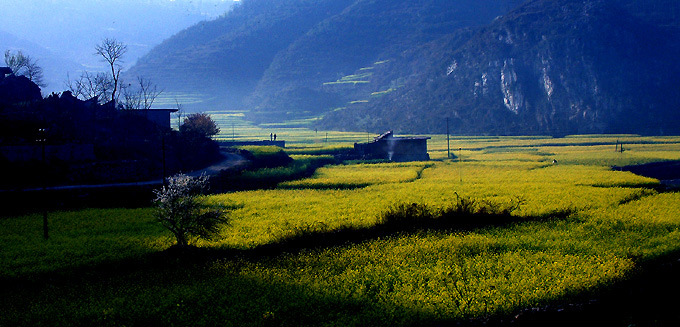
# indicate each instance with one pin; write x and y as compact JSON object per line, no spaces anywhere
{"x":466,"y":212}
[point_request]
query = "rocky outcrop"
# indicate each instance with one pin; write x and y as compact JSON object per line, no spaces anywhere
{"x":549,"y":67}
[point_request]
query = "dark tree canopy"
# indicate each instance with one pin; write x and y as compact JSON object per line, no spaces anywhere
{"x":199,"y":123}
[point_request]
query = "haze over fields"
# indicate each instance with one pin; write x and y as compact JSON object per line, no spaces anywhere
{"x":62,"y":34}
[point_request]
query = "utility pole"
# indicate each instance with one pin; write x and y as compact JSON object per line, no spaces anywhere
{"x":448,"y":143}
{"x":42,"y":139}
{"x":460,"y":166}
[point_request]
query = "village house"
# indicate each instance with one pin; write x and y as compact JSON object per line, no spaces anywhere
{"x":389,"y":147}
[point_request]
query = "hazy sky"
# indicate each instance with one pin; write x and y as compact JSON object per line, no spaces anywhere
{"x":62,"y":34}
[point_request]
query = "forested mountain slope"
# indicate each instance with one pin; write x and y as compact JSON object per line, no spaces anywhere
{"x":489,"y":66}
{"x":349,"y":44}
{"x":550,"y":67}
{"x":278,"y":53}
{"x":226,"y":57}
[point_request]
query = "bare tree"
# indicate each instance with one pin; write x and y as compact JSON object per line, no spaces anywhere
{"x":24,"y":65}
{"x":112,"y":52}
{"x":90,"y":85}
{"x":104,"y":86}
{"x":140,"y":96}
{"x":14,"y":61}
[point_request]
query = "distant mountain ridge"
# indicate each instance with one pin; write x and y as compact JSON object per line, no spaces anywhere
{"x":55,"y":67}
{"x":71,"y":28}
{"x":489,"y":66}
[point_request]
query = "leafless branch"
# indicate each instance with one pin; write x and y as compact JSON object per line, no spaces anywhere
{"x":112,"y":52}
{"x":24,"y":65}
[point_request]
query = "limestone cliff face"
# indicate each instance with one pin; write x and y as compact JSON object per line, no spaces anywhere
{"x":568,"y":67}
{"x":549,"y":67}
{"x":556,"y":68}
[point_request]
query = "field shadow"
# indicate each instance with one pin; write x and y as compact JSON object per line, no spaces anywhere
{"x":181,"y":286}
{"x":307,"y":238}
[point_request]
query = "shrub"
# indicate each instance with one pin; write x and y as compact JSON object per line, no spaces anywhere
{"x":408,"y":213}
{"x":466,"y":206}
{"x":201,"y":124}
{"x":181,"y":210}
{"x":464,"y":213}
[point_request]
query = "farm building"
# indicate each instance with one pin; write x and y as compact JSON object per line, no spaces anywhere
{"x":389,"y":147}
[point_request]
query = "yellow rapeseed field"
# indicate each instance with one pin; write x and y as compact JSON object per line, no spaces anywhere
{"x":581,"y":226}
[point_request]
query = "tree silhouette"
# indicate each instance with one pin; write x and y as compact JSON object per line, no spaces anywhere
{"x":199,"y":123}
{"x":181,"y":210}
{"x":24,"y":65}
{"x":112,"y":52}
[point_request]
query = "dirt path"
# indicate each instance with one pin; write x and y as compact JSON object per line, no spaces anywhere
{"x":231,"y":160}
